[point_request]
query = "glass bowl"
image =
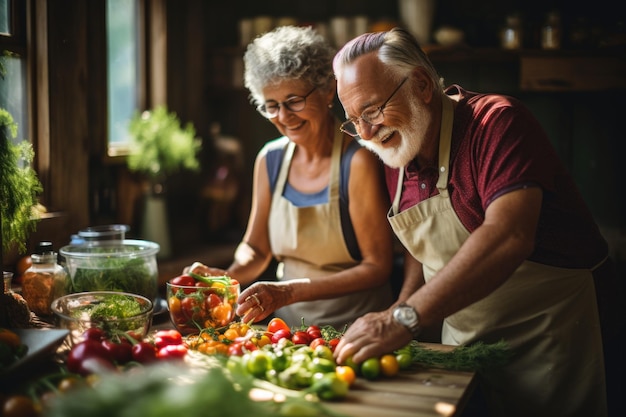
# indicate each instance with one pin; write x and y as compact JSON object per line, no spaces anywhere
{"x":193,"y":308}
{"x":111,"y":311}
{"x":109,"y":265}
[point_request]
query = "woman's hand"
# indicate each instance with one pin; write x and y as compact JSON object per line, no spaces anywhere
{"x":261,"y":299}
{"x":206,"y":271}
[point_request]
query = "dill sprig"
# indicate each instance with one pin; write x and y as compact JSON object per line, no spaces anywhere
{"x":472,"y":357}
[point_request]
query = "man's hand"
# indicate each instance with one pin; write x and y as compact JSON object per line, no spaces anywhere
{"x":370,"y":336}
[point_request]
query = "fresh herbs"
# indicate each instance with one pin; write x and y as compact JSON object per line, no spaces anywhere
{"x":115,"y":306}
{"x":116,"y":274}
{"x":462,"y":358}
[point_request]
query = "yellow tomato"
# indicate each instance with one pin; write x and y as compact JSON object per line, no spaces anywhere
{"x":389,"y":365}
{"x":346,"y":373}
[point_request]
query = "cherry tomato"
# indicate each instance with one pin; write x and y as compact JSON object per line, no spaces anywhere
{"x":280,"y":334}
{"x":258,"y":362}
{"x":389,"y":365}
{"x":172,"y":352}
{"x":77,"y":359}
{"x":323,"y":351}
{"x":346,"y":373}
{"x":183,"y":280}
{"x":301,"y":338}
{"x":277,"y":324}
{"x":213,"y":300}
{"x":332,"y":343}
{"x":144,"y":352}
{"x":191,"y":307}
{"x":235,"y":349}
{"x":93,"y":333}
{"x":120,"y":352}
{"x":404,"y":360}
{"x":19,"y":406}
{"x":317,"y":342}
{"x":314,"y":332}
{"x":164,"y":338}
{"x":370,"y":368}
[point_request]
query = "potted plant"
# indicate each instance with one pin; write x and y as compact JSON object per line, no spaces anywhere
{"x":160,"y":146}
{"x":19,"y":189}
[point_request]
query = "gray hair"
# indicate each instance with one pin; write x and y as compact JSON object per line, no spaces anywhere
{"x":286,"y":53}
{"x":397,"y":49}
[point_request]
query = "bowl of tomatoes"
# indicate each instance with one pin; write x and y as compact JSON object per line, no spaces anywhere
{"x":197,"y":302}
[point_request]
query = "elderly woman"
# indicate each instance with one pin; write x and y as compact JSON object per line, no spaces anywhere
{"x":319,"y":205}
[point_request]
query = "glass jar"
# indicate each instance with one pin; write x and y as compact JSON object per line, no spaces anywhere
{"x":551,"y":31}
{"x":43,"y":282}
{"x":511,"y":34}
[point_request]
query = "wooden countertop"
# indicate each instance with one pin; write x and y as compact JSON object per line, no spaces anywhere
{"x":419,"y":392}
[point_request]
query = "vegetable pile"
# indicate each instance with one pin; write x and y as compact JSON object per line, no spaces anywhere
{"x":233,"y":370}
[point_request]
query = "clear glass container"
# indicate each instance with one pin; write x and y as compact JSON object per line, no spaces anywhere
{"x":43,"y":282}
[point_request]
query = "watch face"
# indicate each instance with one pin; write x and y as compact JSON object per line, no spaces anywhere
{"x":405,"y":315}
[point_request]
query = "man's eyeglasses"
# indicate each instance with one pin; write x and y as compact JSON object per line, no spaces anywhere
{"x":295,"y":104}
{"x":373,"y":117}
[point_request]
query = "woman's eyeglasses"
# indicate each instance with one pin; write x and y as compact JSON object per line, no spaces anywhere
{"x":295,"y":104}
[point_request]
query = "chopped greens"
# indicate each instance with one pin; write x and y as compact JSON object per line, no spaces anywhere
{"x":116,"y":306}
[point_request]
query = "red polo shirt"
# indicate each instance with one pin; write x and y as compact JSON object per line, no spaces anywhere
{"x":498,"y":146}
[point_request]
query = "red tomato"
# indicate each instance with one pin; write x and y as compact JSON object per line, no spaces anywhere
{"x":190,"y":307}
{"x":314,"y":332}
{"x":172,"y":352}
{"x":332,"y":343}
{"x":184,"y":281}
{"x":120,"y":352}
{"x":93,"y":333}
{"x":235,"y":349}
{"x":164,"y":338}
{"x":213,"y":300}
{"x":144,"y":352}
{"x":301,"y":338}
{"x":277,"y":324}
{"x":280,"y":334}
{"x":77,"y":359}
{"x":319,"y":341}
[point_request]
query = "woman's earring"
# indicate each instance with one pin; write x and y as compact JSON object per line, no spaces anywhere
{"x":330,"y":105}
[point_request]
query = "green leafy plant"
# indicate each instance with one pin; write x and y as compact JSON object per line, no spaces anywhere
{"x":19,"y":188}
{"x":160,"y":146}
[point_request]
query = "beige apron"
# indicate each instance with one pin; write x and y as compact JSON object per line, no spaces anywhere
{"x":548,"y":315}
{"x":309,"y":243}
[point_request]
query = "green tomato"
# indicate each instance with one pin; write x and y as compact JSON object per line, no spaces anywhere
{"x":280,"y":360}
{"x":330,"y":387}
{"x":323,"y":351}
{"x":355,"y":366}
{"x":258,"y":363}
{"x":370,"y":368}
{"x":322,"y":365}
{"x":404,"y":360}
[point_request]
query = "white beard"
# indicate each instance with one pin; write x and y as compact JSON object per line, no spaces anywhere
{"x":410,"y":139}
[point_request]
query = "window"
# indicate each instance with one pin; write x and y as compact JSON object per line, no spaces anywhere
{"x":13,"y":88}
{"x":123,"y":71}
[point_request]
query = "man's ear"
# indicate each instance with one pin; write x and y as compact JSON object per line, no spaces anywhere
{"x":423,"y":82}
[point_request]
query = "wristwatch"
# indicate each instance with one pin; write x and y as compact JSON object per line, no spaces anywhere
{"x":408,"y":317}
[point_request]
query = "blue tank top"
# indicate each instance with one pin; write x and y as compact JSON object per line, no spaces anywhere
{"x":274,"y":159}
